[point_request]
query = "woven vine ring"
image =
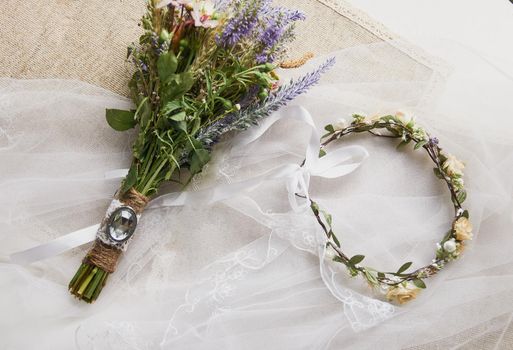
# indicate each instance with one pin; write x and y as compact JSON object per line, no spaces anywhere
{"x":402,"y":286}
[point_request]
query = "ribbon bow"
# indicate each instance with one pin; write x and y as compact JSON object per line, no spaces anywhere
{"x":297,"y":178}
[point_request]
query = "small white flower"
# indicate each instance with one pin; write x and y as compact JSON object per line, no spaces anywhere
{"x":420,"y":134}
{"x":340,"y":124}
{"x":329,"y":255}
{"x":450,"y":246}
{"x":204,"y":14}
{"x":373,"y":120}
{"x":404,"y":117}
{"x":237,"y":107}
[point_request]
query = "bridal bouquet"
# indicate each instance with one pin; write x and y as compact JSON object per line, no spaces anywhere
{"x":202,"y":70}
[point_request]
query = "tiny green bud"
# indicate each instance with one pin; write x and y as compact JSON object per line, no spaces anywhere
{"x":263,"y":94}
{"x":164,"y":35}
{"x":268,"y":67}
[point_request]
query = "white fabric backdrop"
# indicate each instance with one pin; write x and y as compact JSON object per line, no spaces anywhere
{"x":484,"y":26}
{"x":247,"y":277}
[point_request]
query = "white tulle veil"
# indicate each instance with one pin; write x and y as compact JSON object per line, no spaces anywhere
{"x":249,"y":272}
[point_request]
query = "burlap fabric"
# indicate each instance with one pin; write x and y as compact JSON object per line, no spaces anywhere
{"x":87,"y":40}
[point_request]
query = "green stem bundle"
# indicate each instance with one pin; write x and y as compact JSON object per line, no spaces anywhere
{"x":88,"y":282}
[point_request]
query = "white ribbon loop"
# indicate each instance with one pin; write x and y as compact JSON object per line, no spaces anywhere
{"x":297,"y":189}
{"x":55,"y":247}
{"x":297,"y":179}
{"x":340,"y":162}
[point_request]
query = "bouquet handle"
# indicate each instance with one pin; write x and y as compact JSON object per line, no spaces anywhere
{"x":112,"y":238}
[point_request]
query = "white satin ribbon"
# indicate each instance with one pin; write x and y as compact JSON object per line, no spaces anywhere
{"x":55,"y":247}
{"x":335,"y":164}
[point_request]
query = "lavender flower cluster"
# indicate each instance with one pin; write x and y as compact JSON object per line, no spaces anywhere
{"x":242,"y":24}
{"x":251,"y":115}
{"x":260,"y":22}
{"x":277,"y":28}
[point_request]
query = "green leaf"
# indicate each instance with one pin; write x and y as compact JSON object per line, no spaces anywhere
{"x":170,"y":107}
{"x":405,"y":267}
{"x":371,"y":277}
{"x":447,"y":236}
{"x":335,"y":239}
{"x":120,"y":120}
{"x":199,"y":158}
{"x":403,"y":143}
{"x":356,"y":259}
{"x":130,"y":180}
{"x":393,"y":131}
{"x":419,"y":283}
{"x":462,"y":195}
{"x":322,"y":153}
{"x":465,"y":214}
{"x":178,"y":116}
{"x":166,"y":65}
{"x":315,"y":208}
{"x":438,"y":173}
{"x":420,"y":144}
{"x":143,"y":113}
{"x":327,"y":217}
{"x":329,"y":128}
{"x":176,"y":86}
{"x":338,"y":259}
{"x":178,"y":125}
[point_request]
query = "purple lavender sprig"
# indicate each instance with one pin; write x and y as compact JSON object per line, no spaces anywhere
{"x":277,"y":24}
{"x":251,"y":115}
{"x":247,"y":14}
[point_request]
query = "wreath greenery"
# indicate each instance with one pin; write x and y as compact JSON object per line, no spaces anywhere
{"x":401,"y":285}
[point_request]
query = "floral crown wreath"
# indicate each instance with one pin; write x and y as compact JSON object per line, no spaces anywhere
{"x":402,"y":286}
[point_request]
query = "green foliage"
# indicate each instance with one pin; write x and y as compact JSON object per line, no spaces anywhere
{"x":419,"y":283}
{"x":130,"y":180}
{"x":438,"y":173}
{"x":404,"y":267}
{"x":356,"y":259}
{"x":199,"y":158}
{"x":175,"y":86}
{"x":120,"y":120}
{"x":182,"y":83}
{"x":166,"y":66}
{"x":462,"y":196}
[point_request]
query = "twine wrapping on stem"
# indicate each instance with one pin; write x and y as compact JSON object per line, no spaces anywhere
{"x":102,"y":259}
{"x":104,"y":255}
{"x":135,"y":200}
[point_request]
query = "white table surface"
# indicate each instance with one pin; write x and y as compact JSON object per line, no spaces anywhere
{"x":485,"y":26}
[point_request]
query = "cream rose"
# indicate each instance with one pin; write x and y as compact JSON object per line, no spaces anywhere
{"x":402,"y":294}
{"x":453,"y":166}
{"x":463,"y":229}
